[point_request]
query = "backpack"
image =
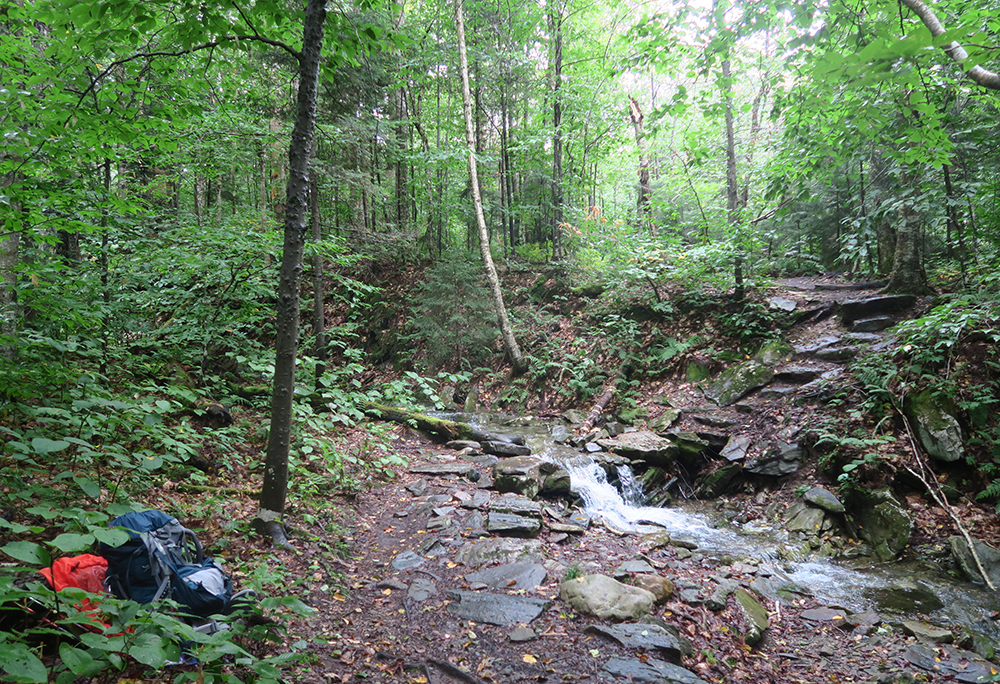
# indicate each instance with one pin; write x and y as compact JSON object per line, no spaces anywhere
{"x":162,"y":558}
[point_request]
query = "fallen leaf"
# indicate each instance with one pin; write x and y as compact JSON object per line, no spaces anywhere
{"x":530,"y":659}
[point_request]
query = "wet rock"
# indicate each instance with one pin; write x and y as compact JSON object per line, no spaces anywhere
{"x":778,"y":589}
{"x":479,"y":553}
{"x":647,"y":637}
{"x":505,"y":449}
{"x":783,"y":459}
{"x":803,"y":518}
{"x":717,"y":482}
{"x":511,"y":576}
{"x":407,"y":560}
{"x":642,"y":445}
{"x":556,"y":481}
{"x":495,"y":609}
{"x":736,"y":449}
{"x":574,"y":417}
{"x":648,"y":670}
{"x":881,"y":520}
{"x":825,"y":499}
{"x":989,"y":556}
{"x":925,"y":632}
{"x":962,"y":665}
{"x":874,"y":306}
{"x":520,"y":475}
{"x":660,"y":587}
{"x":738,"y":381}
{"x":606,"y":598}
{"x":579,"y":519}
{"x":939,"y":433}
{"x":664,"y":421}
{"x":874,"y":324}
{"x":560,"y":434}
{"x":689,"y":445}
{"x":774,"y":352}
{"x":754,"y":614}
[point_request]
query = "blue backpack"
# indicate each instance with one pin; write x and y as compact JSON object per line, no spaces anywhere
{"x":162,"y":558}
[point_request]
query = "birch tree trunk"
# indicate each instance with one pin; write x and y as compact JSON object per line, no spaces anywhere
{"x":272,"y":497}
{"x":517,"y":359}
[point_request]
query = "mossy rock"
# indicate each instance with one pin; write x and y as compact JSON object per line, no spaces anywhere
{"x":774,"y":352}
{"x":738,"y":381}
{"x":881,"y":520}
{"x":933,"y":416}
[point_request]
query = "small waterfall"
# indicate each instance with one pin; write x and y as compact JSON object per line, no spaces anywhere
{"x":632,"y":492}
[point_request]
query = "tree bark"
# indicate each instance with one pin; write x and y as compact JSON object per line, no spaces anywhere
{"x":984,"y":77}
{"x":555,"y":24}
{"x":518,"y":362}
{"x":908,"y":274}
{"x":645,"y":193}
{"x":319,"y":291}
{"x":605,"y":399}
{"x":274,"y":490}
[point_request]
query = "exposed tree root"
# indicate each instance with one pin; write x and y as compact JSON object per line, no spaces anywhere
{"x":275,"y":530}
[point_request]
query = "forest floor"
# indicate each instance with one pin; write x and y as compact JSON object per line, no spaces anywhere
{"x":379,"y":580}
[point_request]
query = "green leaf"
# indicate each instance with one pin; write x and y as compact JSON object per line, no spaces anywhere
{"x":69,"y":542}
{"x":44,"y":445}
{"x":79,"y":661}
{"x":89,"y":487}
{"x":29,"y":552}
{"x":111,"y":537}
{"x":150,"y":649}
{"x":21,"y":665}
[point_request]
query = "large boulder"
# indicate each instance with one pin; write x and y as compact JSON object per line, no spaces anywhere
{"x":939,"y":433}
{"x":642,"y":445}
{"x":520,"y":475}
{"x":606,"y":598}
{"x":881,"y":520}
{"x":782,"y":459}
{"x":874,"y":306}
{"x":989,"y":556}
{"x":738,"y":381}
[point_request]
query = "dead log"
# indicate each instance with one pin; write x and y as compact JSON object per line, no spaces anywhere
{"x":437,"y":427}
{"x":602,"y":402}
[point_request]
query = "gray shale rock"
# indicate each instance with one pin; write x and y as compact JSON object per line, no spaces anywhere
{"x":937,"y":429}
{"x":647,"y":637}
{"x":642,"y":445}
{"x":989,"y":556}
{"x":511,"y":576}
{"x":481,"y":552}
{"x":825,"y":499}
{"x":882,"y":521}
{"x":495,"y":609}
{"x":650,"y":670}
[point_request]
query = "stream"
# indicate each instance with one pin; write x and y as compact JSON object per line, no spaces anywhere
{"x":922,"y":590}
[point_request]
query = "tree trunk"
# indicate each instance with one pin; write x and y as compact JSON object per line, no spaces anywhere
{"x":984,"y":77}
{"x":555,"y":24}
{"x":319,"y":291}
{"x":908,"y":274}
{"x":272,"y":498}
{"x":518,"y":362}
{"x":645,"y":193}
{"x":732,"y":180}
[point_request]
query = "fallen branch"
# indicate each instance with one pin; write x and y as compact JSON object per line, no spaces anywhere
{"x":605,"y":398}
{"x":926,"y":476}
{"x":239,"y":491}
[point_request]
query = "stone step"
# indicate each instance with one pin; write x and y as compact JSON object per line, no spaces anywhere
{"x":871,"y":325}
{"x":869,"y":307}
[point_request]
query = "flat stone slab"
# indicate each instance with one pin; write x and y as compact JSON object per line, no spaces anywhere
{"x":634,"y":566}
{"x":648,"y":670}
{"x":478,"y":553}
{"x":817,"y":344}
{"x":738,"y":381}
{"x":495,"y":609}
{"x":407,"y":560}
{"x":781,"y":304}
{"x":642,"y":444}
{"x":506,"y":449}
{"x":511,"y":576}
{"x":439,"y":469}
{"x":837,"y":354}
{"x":962,"y":665}
{"x":925,"y":632}
{"x":825,"y":499}
{"x":648,"y":637}
{"x":421,"y":589}
{"x":736,"y":449}
{"x":875,"y":324}
{"x":824,"y":614}
{"x":513,"y":524}
{"x":798,"y":374}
